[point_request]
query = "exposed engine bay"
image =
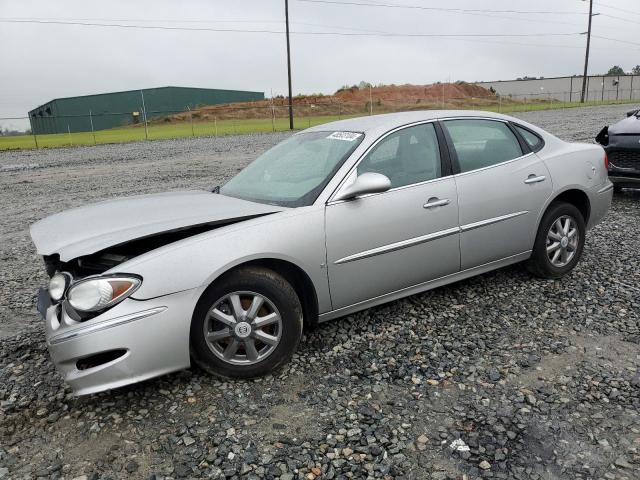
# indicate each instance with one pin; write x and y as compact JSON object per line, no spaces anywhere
{"x":100,"y":262}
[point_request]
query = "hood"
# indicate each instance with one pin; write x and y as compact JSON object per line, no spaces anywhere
{"x":627,"y":126}
{"x":89,"y":229}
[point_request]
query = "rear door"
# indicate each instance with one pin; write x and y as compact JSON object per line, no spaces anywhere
{"x":502,"y":186}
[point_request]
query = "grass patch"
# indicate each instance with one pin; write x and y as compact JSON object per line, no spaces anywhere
{"x":161,"y":131}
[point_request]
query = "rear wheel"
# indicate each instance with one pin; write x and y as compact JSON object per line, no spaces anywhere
{"x":559,"y":241}
{"x":246,"y":324}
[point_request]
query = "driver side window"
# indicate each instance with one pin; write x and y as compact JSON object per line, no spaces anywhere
{"x":408,"y":156}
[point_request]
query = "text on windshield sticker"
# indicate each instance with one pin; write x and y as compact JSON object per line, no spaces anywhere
{"x":346,"y":136}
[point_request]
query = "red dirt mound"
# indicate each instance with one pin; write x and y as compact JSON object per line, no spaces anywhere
{"x":413,"y":93}
{"x":354,"y":100}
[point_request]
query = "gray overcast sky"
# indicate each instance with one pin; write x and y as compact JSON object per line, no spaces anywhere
{"x":40,"y":62}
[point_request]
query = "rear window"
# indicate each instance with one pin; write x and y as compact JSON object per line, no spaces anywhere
{"x":533,"y":140}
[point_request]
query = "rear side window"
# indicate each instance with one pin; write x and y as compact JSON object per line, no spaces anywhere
{"x":534,"y":141}
{"x":482,"y":143}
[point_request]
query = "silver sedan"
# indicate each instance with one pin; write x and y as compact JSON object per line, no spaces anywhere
{"x":335,"y":219}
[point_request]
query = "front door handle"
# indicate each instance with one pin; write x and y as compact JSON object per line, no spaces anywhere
{"x":435,"y":202}
{"x":533,"y":179}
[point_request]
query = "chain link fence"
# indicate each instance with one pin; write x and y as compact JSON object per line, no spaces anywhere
{"x":266,"y":116}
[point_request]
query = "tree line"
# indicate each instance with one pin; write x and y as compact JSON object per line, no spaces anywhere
{"x":617,"y":70}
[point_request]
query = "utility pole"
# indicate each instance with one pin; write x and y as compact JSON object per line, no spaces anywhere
{"x":286,"y":17}
{"x":191,"y":120}
{"x":586,"y":57}
{"x":144,"y":115}
{"x":92,"y":131}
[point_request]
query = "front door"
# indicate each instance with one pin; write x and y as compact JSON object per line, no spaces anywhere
{"x":381,"y":243}
{"x":502,"y":187}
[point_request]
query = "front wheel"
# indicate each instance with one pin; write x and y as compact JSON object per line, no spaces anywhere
{"x":559,"y":241}
{"x":246,"y":324}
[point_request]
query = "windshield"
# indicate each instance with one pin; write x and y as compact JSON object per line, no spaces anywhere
{"x":294,"y":172}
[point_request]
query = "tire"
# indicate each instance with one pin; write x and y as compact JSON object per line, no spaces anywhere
{"x":214,"y":331}
{"x":617,"y":189}
{"x":540,"y":263}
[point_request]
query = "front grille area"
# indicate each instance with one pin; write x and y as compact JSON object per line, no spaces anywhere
{"x":625,"y":159}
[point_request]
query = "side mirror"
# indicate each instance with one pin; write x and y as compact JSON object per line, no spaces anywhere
{"x":364,"y":184}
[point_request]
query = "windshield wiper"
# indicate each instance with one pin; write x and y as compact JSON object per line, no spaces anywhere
{"x":216,"y":189}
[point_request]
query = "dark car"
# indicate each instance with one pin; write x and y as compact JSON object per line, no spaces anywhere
{"x":622,"y":144}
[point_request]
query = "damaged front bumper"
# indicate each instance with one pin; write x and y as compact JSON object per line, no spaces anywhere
{"x":133,"y":341}
{"x":624,"y":160}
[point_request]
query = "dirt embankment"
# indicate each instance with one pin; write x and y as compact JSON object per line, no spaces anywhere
{"x":414,"y":93}
{"x":349,"y":101}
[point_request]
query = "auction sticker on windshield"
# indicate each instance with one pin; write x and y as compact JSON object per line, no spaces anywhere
{"x":347,"y":136}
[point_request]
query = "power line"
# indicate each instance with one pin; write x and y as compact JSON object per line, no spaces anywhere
{"x":440,"y":9}
{"x":620,"y":18}
{"x":279,"y":32}
{"x":616,"y":40}
{"x":143,"y":20}
{"x":605,"y":5}
{"x":518,"y":19}
{"x":547,"y":45}
{"x":174,"y":21}
{"x":363,"y":33}
{"x":144,"y":27}
{"x":338,"y":27}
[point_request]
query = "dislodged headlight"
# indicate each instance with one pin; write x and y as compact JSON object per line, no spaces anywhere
{"x":58,"y":285}
{"x":99,"y":293}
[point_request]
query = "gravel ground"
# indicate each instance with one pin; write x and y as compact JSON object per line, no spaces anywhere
{"x":500,"y":376}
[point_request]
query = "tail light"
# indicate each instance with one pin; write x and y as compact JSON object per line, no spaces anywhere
{"x":606,"y":161}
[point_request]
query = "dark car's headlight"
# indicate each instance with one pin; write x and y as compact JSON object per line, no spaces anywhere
{"x":98,"y":293}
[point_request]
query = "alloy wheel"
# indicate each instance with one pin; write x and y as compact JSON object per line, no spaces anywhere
{"x":243,"y":328}
{"x":563,"y":238}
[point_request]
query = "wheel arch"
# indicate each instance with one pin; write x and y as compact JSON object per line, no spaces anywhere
{"x":576,"y":197}
{"x":294,"y":274}
{"x":573,"y":195}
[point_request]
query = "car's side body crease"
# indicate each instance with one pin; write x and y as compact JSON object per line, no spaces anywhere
{"x":491,"y":221}
{"x":425,"y":238}
{"x":398,"y":245}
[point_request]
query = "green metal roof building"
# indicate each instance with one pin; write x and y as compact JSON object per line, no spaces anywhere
{"x":109,"y":110}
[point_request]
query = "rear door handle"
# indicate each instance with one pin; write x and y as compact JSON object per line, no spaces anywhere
{"x":533,"y":179}
{"x":435,"y":202}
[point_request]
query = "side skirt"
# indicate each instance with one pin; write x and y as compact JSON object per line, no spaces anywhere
{"x":423,"y":287}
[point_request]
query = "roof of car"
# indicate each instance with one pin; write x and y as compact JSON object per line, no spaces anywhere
{"x":388,"y":121}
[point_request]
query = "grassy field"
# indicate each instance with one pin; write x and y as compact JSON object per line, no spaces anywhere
{"x":159,"y":131}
